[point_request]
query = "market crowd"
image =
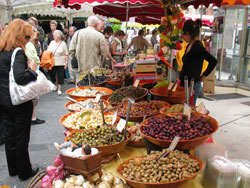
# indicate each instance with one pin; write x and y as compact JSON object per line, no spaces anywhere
{"x":93,"y":46}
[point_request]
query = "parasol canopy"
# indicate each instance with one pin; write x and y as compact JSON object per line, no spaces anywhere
{"x":143,"y":13}
{"x":76,"y":4}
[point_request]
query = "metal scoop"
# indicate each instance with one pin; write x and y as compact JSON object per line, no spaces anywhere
{"x":102,"y":110}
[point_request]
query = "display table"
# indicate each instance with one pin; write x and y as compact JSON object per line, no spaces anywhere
{"x":132,"y":152}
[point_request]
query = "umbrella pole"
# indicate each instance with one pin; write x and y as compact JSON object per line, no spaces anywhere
{"x":126,"y":30}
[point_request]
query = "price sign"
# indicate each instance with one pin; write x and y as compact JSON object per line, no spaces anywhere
{"x":114,"y":118}
{"x":187,"y":110}
{"x":136,"y":83}
{"x":98,"y":97}
{"x":201,"y":108}
{"x":170,"y":86}
{"x":121,"y":125}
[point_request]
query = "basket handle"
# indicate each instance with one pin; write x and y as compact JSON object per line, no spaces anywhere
{"x":36,"y":179}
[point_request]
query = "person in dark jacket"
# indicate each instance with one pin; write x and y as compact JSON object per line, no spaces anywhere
{"x":16,"y":118}
{"x":194,"y":56}
{"x":53,"y":26}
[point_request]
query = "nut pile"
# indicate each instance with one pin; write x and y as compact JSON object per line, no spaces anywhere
{"x":130,"y":91}
{"x":142,"y":108}
{"x":86,"y":119}
{"x":175,"y":166}
{"x":166,"y":128}
{"x":100,"y":136}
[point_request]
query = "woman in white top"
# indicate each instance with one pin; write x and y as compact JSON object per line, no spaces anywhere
{"x":117,"y":49}
{"x":61,"y":55}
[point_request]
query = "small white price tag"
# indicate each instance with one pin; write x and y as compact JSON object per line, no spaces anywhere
{"x":175,"y":87}
{"x":98,"y":97}
{"x":187,"y":110}
{"x":121,"y":125}
{"x":114,"y":118}
{"x":136,"y":83}
{"x":170,"y":86}
{"x":201,"y":108}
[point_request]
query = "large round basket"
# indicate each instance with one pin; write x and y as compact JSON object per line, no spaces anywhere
{"x":136,"y":99}
{"x":140,"y":118}
{"x":182,"y":144}
{"x":136,"y":143}
{"x":106,"y":103}
{"x":102,"y":89}
{"x":72,"y":129}
{"x":114,"y":82}
{"x":161,"y":93}
{"x":108,"y":149}
{"x":174,"y":184}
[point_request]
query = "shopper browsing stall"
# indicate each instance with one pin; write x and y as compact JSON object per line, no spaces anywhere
{"x":117,"y":48}
{"x":61,"y":54}
{"x":194,"y":56}
{"x":16,"y":117}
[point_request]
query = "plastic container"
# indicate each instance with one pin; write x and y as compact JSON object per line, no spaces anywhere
{"x":208,"y":150}
{"x":220,"y":173}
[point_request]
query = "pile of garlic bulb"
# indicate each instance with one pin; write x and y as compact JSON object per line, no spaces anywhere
{"x":107,"y":180}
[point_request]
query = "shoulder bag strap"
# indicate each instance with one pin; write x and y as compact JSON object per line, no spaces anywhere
{"x":56,"y":49}
{"x":13,"y":57}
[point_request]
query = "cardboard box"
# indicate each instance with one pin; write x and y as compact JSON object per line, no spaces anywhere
{"x":145,"y":66}
{"x":208,"y":86}
{"x":211,"y":76}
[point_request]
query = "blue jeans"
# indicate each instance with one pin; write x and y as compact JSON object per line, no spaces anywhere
{"x":197,"y":89}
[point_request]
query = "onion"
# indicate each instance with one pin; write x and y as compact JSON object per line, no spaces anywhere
{"x":46,"y":179}
{"x":58,"y":161}
{"x":51,"y":170}
{"x":117,"y":181}
{"x":46,"y":185}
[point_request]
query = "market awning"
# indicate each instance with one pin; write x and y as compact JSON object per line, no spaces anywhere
{"x":76,"y":4}
{"x":144,"y":13}
{"x":235,"y":2}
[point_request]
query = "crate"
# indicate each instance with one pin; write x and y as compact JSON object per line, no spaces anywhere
{"x":85,"y":166}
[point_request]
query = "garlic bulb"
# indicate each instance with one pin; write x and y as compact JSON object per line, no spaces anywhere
{"x":118,"y":186}
{"x":108,"y":177}
{"x":103,"y":184}
{"x":79,"y":180}
{"x":117,"y":181}
{"x":87,"y":185}
{"x":58,"y":184}
{"x":69,"y":185}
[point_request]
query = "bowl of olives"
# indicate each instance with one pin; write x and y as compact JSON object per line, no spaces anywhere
{"x":172,"y":171}
{"x":89,"y":92}
{"x":161,"y":129}
{"x":162,"y":94}
{"x":105,"y":138}
{"x":89,"y":103}
{"x":118,"y":95}
{"x":141,"y":109}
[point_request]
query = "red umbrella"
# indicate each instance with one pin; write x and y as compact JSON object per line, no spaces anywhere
{"x":197,"y":3}
{"x":144,"y":13}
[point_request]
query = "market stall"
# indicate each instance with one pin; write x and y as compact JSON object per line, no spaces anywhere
{"x":122,"y":132}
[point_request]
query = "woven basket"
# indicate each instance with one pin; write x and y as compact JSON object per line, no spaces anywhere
{"x":36,"y":180}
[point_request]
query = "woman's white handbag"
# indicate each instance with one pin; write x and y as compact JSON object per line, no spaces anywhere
{"x":20,"y":94}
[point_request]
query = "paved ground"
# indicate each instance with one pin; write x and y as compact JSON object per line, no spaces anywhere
{"x":233,"y":117}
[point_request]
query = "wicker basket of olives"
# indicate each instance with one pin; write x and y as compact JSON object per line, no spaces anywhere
{"x":161,"y":129}
{"x":106,"y":139}
{"x":171,"y":171}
